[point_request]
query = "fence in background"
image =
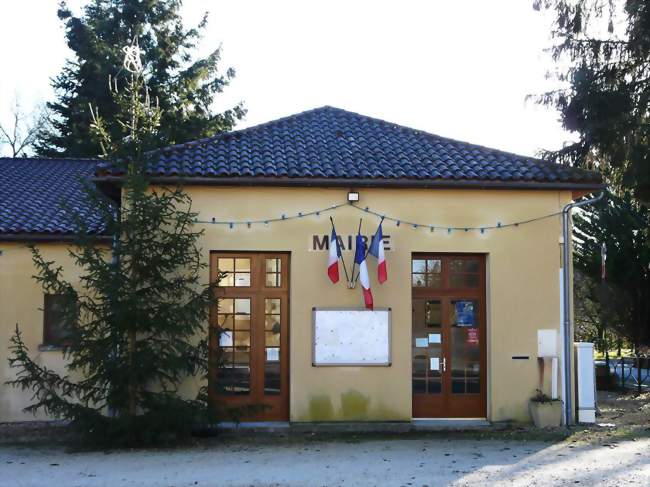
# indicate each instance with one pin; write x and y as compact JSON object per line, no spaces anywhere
{"x":626,"y":373}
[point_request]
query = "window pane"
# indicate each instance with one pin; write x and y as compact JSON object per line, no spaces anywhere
{"x":227,"y":280}
{"x":242,"y":314}
{"x":58,"y":316}
{"x":272,"y":323}
{"x":243,"y":306}
{"x":243,"y":265}
{"x":419,"y":386}
{"x":419,"y":280}
{"x":464,"y":280}
{"x":241,"y":376}
{"x":434,"y":280}
{"x":433,"y":313}
{"x":225,"y":322}
{"x":234,"y":375}
{"x":272,"y":306}
{"x":434,"y":266}
{"x":464,"y":265}
{"x":419,"y":266}
{"x":242,"y":322}
{"x":225,"y":338}
{"x":427,"y":356}
{"x":465,"y":347}
{"x":272,"y":377}
{"x":272,"y":339}
{"x":273,"y":279}
{"x":465,"y":360}
{"x":226,"y":357}
{"x":225,"y":306}
{"x":242,"y":339}
{"x":426,"y":273}
{"x":242,"y":279}
{"x":226,"y":265}
{"x":273,"y":265}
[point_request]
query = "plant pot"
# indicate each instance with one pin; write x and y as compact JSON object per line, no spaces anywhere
{"x":546,"y":414}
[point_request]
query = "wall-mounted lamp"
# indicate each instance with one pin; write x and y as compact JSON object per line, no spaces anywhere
{"x":353,"y":197}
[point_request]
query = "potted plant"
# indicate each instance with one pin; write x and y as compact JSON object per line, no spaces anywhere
{"x":546,"y":412}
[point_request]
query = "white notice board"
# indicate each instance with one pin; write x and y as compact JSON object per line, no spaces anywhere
{"x":351,"y":336}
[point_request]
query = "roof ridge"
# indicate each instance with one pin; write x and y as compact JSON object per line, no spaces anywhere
{"x":51,"y":159}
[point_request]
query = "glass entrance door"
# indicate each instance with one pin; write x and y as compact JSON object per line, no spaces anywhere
{"x":249,"y":334}
{"x":448,"y":336}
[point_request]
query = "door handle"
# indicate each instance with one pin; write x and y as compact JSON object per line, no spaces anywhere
{"x":444,"y":364}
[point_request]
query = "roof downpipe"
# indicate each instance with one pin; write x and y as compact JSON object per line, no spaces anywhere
{"x":567,"y":338}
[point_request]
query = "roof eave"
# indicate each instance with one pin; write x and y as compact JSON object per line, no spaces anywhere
{"x":363,"y":182}
{"x":47,"y":237}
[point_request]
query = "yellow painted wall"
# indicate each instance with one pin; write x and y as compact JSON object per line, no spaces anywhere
{"x":522,"y":288}
{"x":21,"y":302}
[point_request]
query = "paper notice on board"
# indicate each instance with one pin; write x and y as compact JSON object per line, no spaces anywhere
{"x":421,"y":342}
{"x":272,"y":354}
{"x":434,"y":363}
{"x":225,"y":339}
{"x":435,"y":337}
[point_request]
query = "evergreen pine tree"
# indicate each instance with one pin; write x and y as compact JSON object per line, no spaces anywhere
{"x":602,"y":56}
{"x":622,"y":299}
{"x":186,"y":87}
{"x":136,"y":321}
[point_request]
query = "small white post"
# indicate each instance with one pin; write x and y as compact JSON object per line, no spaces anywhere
{"x":586,"y":395}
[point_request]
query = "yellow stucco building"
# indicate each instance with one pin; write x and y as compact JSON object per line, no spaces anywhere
{"x":472,"y":241}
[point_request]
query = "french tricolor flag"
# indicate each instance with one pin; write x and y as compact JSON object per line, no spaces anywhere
{"x":335,"y":253}
{"x":360,"y":260}
{"x":377,"y":250}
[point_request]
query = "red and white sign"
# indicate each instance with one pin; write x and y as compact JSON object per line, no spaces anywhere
{"x":472,"y":336}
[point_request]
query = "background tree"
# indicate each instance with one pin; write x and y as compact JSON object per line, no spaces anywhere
{"x":186,"y":87}
{"x":19,"y":135}
{"x":621,"y":302}
{"x":590,"y":321}
{"x":602,"y":52}
{"x":135,"y":321}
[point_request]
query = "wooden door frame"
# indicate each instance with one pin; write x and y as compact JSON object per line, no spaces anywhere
{"x":444,"y":294}
{"x":233,"y":292}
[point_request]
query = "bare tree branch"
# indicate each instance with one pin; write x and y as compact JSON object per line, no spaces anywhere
{"x":20,"y":135}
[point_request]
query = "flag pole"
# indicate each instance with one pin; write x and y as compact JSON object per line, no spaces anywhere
{"x":337,"y":253}
{"x":353,"y":282}
{"x":368,"y":248}
{"x":373,"y":237}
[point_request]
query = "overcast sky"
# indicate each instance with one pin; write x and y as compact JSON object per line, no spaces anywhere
{"x":457,"y":68}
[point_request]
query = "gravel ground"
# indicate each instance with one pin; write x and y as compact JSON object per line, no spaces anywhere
{"x":430,"y":461}
{"x":616,"y":453}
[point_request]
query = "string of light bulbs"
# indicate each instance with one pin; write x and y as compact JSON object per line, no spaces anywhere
{"x":383,"y":216}
{"x":267,"y":221}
